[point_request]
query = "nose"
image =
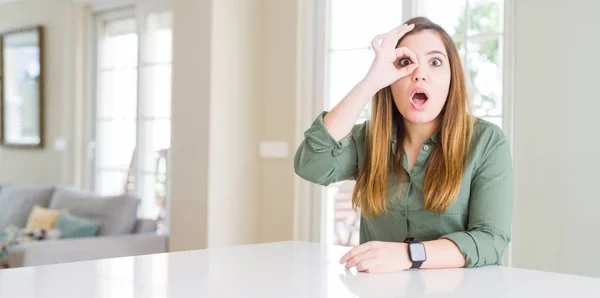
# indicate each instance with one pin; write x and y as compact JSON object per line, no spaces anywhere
{"x":419,"y":74}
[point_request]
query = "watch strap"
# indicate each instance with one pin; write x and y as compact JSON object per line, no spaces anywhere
{"x":415,"y":264}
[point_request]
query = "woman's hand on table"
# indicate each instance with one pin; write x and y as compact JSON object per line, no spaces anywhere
{"x":378,"y":257}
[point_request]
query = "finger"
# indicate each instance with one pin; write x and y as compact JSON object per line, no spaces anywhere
{"x":392,"y":38}
{"x":371,"y":253}
{"x":406,"y":52}
{"x":407,"y":70}
{"x":368,"y":264}
{"x":355,"y":251}
{"x":375,"y":42}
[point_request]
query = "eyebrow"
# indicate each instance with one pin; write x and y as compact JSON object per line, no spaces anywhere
{"x":436,"y":52}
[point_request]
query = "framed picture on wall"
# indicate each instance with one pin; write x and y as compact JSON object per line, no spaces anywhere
{"x":21,"y":90}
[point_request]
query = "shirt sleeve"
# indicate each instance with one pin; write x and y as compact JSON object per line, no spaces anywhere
{"x":490,"y":205}
{"x":321,"y":160}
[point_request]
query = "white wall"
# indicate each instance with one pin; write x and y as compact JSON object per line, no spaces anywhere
{"x":190,"y":124}
{"x":556,"y":136}
{"x":251,"y":66}
{"x":235,"y":110}
{"x":278,"y":119}
{"x":215,"y":114}
{"x":59,"y":18}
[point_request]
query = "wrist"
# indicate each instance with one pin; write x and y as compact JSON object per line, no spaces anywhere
{"x":415,"y":252}
{"x":406,"y":256}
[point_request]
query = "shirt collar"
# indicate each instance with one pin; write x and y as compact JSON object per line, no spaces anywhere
{"x":435,"y":138}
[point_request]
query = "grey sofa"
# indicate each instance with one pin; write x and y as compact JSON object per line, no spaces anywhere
{"x":121,"y":232}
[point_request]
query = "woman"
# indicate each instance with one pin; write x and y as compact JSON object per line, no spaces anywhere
{"x":434,"y":183}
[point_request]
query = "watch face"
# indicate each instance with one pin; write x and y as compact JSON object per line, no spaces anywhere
{"x":417,"y":252}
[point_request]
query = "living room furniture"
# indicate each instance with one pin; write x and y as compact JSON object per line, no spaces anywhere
{"x":121,"y":232}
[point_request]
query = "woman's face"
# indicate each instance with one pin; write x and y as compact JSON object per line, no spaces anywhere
{"x":421,"y":95}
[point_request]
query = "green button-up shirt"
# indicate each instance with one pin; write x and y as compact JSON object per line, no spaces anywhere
{"x":479,"y":222}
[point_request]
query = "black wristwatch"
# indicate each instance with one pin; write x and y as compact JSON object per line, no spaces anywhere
{"x":416,"y":252}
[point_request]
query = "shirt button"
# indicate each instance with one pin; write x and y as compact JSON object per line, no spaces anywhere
{"x":337,"y":152}
{"x":403,"y":213}
{"x":425,"y":147}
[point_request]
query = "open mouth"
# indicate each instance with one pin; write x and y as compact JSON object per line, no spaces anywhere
{"x":419,"y":99}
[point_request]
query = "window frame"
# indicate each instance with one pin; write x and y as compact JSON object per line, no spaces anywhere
{"x":99,"y":16}
{"x":96,"y":13}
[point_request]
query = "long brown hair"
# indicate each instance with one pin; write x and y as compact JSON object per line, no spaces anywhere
{"x":446,"y":162}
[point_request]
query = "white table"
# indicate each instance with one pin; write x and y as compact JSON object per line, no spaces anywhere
{"x":283,"y":269}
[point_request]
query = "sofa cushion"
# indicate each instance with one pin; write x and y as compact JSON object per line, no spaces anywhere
{"x":72,"y":226}
{"x":42,"y":218}
{"x":145,"y":226}
{"x":17,"y":200}
{"x":117,"y":214}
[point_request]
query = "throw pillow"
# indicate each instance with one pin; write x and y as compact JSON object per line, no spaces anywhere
{"x":72,"y":226}
{"x":41,"y":218}
{"x":117,"y":215}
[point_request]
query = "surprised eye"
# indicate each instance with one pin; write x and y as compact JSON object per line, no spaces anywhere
{"x":405,"y":62}
{"x":436,"y":62}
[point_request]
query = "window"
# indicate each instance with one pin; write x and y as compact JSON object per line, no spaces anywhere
{"x":476,"y":27}
{"x":349,"y":50}
{"x":131,"y":131}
